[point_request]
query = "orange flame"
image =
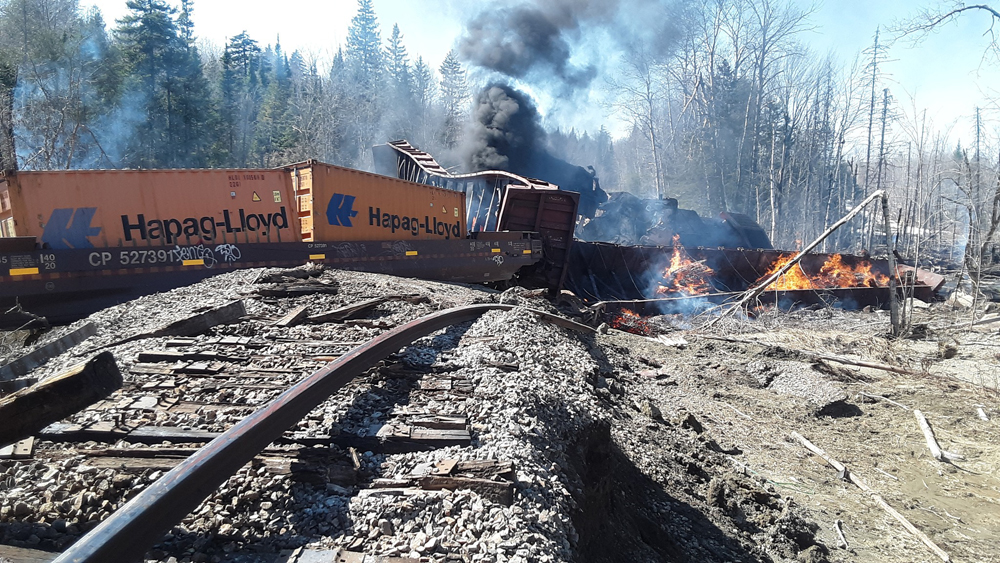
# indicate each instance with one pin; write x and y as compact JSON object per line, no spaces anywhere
{"x":833,"y":273}
{"x":684,"y":275}
{"x":631,"y":322}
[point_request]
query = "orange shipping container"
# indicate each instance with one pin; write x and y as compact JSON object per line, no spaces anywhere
{"x":337,"y":204}
{"x":105,"y":208}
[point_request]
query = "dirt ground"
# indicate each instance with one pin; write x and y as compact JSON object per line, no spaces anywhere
{"x":686,"y":450}
{"x":751,"y":392}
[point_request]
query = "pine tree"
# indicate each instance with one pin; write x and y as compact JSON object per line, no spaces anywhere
{"x":275,"y":134}
{"x":455,"y":95}
{"x":241,"y":98}
{"x":423,"y":84}
{"x":184,"y":22}
{"x":164,"y":81}
{"x":365,"y":96}
{"x":400,"y":103}
{"x":398,"y":64}
{"x":423,"y":97}
{"x":364,"y":48}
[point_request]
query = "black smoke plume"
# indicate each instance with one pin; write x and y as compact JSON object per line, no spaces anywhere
{"x":506,"y":134}
{"x":515,"y":42}
{"x":506,"y":130}
{"x":537,"y":41}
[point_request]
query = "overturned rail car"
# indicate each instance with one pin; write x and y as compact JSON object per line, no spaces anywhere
{"x":72,"y":242}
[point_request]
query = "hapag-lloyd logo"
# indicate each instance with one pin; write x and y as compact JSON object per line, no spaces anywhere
{"x":69,"y":228}
{"x":208,"y":227}
{"x":340,"y":211}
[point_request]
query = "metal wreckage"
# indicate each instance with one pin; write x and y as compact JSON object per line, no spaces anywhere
{"x":72,"y":242}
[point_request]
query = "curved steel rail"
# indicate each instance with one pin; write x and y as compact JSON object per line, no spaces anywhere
{"x":144,"y":520}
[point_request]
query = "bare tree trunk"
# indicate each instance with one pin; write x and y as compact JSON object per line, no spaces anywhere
{"x":8,"y":81}
{"x":893,"y":271}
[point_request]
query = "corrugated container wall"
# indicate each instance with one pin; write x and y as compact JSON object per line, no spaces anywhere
{"x":104,"y":208}
{"x":350,"y":205}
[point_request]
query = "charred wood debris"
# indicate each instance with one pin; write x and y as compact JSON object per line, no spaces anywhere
{"x":504,"y":439}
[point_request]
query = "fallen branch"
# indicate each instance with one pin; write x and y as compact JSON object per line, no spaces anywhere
{"x":817,"y":355}
{"x":932,"y":443}
{"x":875,"y":496}
{"x":840,"y":534}
{"x":862,"y":363}
{"x":886,"y":399}
{"x":754,"y":292}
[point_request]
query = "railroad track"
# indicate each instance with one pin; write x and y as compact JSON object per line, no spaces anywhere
{"x":196,"y":410}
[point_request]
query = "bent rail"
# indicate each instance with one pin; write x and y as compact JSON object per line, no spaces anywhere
{"x":143,"y":521}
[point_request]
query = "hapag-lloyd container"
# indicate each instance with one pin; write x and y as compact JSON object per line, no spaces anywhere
{"x":109,"y":208}
{"x":311,"y":201}
{"x":340,"y":204}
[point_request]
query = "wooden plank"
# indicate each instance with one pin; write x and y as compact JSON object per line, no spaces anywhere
{"x":150,"y":369}
{"x":433,"y":436}
{"x":38,"y":357}
{"x":349,"y":311}
{"x":485,"y":469}
{"x":298,"y":290}
{"x":441,"y":422}
{"x":201,"y":322}
{"x":294,"y":317}
{"x":157,"y":434}
{"x":64,"y":432}
{"x":435,"y":384}
{"x":499,"y":491}
{"x":30,"y":410}
{"x":134,"y":465}
{"x":17,"y":384}
{"x":157,"y":356}
{"x":176,"y":453}
{"x":193,"y":324}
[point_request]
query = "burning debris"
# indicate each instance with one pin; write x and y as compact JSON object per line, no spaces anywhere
{"x":629,"y":321}
{"x":833,"y":273}
{"x":684,"y":276}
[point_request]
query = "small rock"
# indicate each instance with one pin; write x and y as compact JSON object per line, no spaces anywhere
{"x":649,"y":409}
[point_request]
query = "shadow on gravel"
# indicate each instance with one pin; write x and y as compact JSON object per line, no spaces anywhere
{"x":626,"y":516}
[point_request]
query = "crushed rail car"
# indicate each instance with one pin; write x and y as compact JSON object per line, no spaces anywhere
{"x":727,"y":254}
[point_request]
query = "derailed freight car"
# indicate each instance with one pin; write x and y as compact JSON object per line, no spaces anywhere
{"x":75,"y":241}
{"x":148,"y":208}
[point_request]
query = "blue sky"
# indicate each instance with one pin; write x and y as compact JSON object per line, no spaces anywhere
{"x":944,"y":73}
